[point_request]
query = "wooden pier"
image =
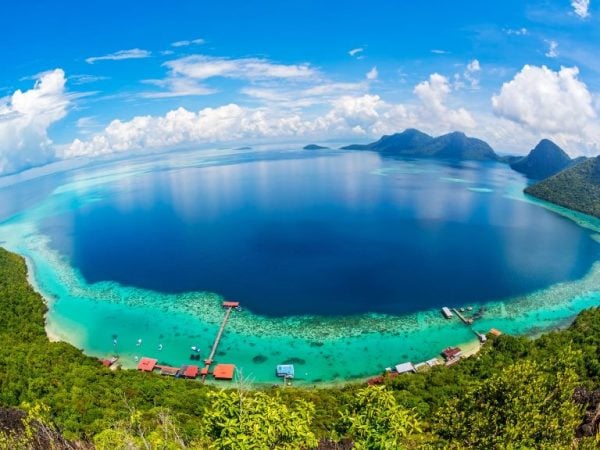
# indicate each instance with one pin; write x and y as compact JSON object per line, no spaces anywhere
{"x":463,"y":318}
{"x":230,"y":306}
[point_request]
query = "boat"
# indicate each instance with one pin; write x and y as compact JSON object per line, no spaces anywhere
{"x":195,"y":349}
{"x":446,"y":312}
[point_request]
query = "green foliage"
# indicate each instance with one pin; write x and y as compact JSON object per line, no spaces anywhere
{"x":576,"y":188}
{"x":240,"y":420}
{"x":524,"y":406}
{"x":375,"y":420}
{"x":516,"y":393}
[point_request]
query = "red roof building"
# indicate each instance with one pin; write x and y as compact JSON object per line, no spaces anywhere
{"x":224,"y":371}
{"x":451,"y":353}
{"x":147,"y":364}
{"x":231,"y":304}
{"x":190,"y":371}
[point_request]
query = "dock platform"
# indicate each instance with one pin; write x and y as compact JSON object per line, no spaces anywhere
{"x":229,"y":306}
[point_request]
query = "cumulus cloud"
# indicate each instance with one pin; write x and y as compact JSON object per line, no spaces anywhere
{"x":581,"y":7}
{"x":555,"y":103}
{"x":24,"y":121}
{"x":372,"y":74}
{"x":134,"y":53}
{"x":433,"y":93}
{"x":469,"y":77}
{"x":347,"y":115}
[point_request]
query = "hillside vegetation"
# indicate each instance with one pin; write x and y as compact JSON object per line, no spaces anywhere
{"x":414,"y":143}
{"x":545,"y":160}
{"x":517,"y":393}
{"x":576,"y":188}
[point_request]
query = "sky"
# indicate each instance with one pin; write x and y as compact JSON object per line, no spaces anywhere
{"x":103,"y":79}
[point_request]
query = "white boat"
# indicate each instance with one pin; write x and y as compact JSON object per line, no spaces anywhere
{"x":195,"y":349}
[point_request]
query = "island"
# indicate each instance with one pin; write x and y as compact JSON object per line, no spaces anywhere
{"x":415,"y":143}
{"x":576,"y":188}
{"x":545,"y":160}
{"x":314,"y":147}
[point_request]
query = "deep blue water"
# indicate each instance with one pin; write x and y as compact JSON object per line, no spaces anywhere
{"x":325,"y":233}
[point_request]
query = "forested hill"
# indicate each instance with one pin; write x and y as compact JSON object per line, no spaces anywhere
{"x":516,"y":393}
{"x":576,"y":188}
{"x":414,"y":143}
{"x":545,"y":160}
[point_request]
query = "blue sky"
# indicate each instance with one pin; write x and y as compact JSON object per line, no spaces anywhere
{"x":193,"y":73}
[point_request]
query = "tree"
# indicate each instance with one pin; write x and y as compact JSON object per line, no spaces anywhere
{"x":523,"y":406}
{"x":241,"y":420}
{"x":374,"y":420}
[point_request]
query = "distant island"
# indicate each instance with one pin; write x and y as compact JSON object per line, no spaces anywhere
{"x":571,"y":183}
{"x":415,"y":143}
{"x":314,"y":147}
{"x":576,"y":188}
{"x":545,"y":160}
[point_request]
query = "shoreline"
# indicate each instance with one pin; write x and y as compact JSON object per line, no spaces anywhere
{"x":469,"y":345}
{"x":340,"y":349}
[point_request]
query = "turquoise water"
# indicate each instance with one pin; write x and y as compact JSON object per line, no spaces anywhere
{"x":323,"y":348}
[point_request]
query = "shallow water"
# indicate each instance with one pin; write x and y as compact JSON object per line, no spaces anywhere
{"x":341,"y":259}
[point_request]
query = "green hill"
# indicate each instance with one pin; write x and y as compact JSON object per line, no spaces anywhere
{"x":576,"y":188}
{"x":314,"y":147}
{"x":417,"y":144}
{"x":545,"y":160}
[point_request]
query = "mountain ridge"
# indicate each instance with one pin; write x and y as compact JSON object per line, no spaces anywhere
{"x":415,"y":143}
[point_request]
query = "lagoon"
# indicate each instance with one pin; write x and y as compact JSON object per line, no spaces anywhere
{"x":340,"y":259}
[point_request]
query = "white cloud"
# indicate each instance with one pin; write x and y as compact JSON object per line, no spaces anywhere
{"x":24,"y":121}
{"x":470,"y":76}
{"x":356,"y":51}
{"x":552,"y":49}
{"x":177,"y":87}
{"x":554,"y":104}
{"x":372,"y":74}
{"x":517,"y":31}
{"x":202,"y":67}
{"x":134,"y":53}
{"x":186,"y":43}
{"x":473,"y":66}
{"x":581,"y":7}
{"x":305,"y":95}
{"x":348,"y":115}
{"x":86,"y":79}
{"x":438,"y":51}
{"x":187,"y":75}
{"x":433,"y":93}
